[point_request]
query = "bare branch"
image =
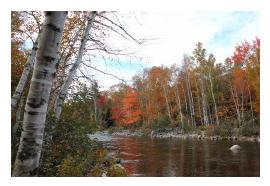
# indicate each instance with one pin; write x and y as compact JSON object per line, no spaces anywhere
{"x":71,"y":46}
{"x":53,"y":90}
{"x":104,"y":72}
{"x":111,"y":28}
{"x":28,"y":35}
{"x":110,"y":51}
{"x":86,"y":77}
{"x":121,"y":27}
{"x":31,"y":13}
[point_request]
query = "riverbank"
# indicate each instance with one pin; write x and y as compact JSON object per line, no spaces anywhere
{"x":178,"y":133}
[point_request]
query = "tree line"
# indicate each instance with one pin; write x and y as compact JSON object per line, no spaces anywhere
{"x":197,"y":92}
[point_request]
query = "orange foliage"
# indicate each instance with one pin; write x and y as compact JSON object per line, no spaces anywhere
{"x":241,"y":52}
{"x":131,"y":107}
{"x":126,"y":109}
{"x":18,"y":59}
{"x":245,"y":74}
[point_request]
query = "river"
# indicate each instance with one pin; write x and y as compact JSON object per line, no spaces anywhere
{"x":143,"y":156}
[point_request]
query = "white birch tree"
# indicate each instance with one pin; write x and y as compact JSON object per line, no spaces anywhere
{"x":28,"y":155}
{"x":25,"y":76}
{"x":72,"y":72}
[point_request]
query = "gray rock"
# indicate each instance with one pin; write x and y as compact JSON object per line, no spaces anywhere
{"x":235,"y":148}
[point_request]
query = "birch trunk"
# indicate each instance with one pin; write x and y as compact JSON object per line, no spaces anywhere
{"x":190,"y":97}
{"x":204,"y":102}
{"x":28,"y":155}
{"x":199,"y":103}
{"x":210,"y":117}
{"x":18,"y":116}
{"x":236,"y":107}
{"x":186,"y":107}
{"x":214,"y":100}
{"x":25,"y":75}
{"x":251,"y":107}
{"x":167,"y":102}
{"x":64,"y":57}
{"x":189,"y":100}
{"x":72,"y":72}
{"x":179,"y":105}
{"x":192,"y":106}
{"x":185,"y":99}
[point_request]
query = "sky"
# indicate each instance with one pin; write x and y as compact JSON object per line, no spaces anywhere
{"x":169,"y":35}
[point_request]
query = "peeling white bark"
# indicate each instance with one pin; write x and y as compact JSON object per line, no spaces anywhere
{"x":28,"y":155}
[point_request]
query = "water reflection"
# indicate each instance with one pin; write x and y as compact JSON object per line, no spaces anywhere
{"x":174,"y":157}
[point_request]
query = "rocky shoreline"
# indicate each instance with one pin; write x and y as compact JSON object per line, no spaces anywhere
{"x":172,"y":133}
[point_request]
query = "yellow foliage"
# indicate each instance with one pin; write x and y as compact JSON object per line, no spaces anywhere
{"x":70,"y":167}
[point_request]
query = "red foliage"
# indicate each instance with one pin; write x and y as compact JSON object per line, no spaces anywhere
{"x":18,"y":59}
{"x":243,"y":50}
{"x":101,"y":101}
{"x":131,"y":108}
{"x":126,"y":109}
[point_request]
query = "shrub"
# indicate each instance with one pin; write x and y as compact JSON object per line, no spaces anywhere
{"x":161,"y":122}
{"x":188,"y":128}
{"x":249,"y":129}
{"x":70,"y":167}
{"x":117,"y":171}
{"x":222,"y":130}
{"x":67,"y":150}
{"x":109,"y":168}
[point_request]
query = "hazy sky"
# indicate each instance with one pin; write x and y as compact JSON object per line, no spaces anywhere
{"x":173,"y":34}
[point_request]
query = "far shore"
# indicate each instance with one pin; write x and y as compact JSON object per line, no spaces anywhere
{"x":177,"y":133}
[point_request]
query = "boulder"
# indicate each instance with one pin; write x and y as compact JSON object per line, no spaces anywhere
{"x":235,"y":148}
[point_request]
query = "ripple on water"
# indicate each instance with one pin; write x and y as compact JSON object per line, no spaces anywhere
{"x":131,"y":161}
{"x":163,"y":157}
{"x":131,"y":154}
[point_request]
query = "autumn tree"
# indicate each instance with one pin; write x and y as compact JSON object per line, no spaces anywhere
{"x":98,"y":23}
{"x":245,"y":78}
{"x":131,"y":107}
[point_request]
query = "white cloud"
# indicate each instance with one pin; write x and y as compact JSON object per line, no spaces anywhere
{"x":180,"y":31}
{"x":176,"y":33}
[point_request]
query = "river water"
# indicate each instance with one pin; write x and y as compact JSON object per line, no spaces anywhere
{"x":143,"y":156}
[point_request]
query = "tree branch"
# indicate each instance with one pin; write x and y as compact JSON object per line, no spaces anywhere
{"x":104,"y":72}
{"x":121,"y":27}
